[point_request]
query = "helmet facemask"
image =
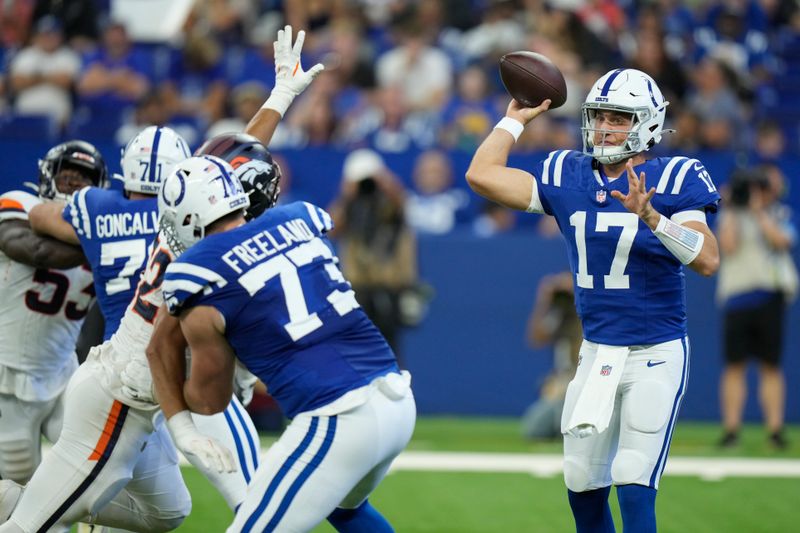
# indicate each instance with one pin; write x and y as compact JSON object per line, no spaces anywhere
{"x":629,"y":92}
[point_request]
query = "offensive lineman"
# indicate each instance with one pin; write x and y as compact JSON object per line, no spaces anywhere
{"x":626,"y":248}
{"x":269,"y":293}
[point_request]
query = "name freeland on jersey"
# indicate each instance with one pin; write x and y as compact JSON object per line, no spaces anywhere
{"x":267,"y":243}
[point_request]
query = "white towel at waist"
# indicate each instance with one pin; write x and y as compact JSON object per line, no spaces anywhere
{"x":595,"y":404}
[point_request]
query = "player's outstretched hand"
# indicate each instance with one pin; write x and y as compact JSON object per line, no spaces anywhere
{"x":290,"y":78}
{"x":202,"y":451}
{"x":524,"y":114}
{"x":638,"y":198}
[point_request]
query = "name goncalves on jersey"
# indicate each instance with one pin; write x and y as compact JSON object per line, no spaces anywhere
{"x":267,"y":243}
{"x":126,"y":224}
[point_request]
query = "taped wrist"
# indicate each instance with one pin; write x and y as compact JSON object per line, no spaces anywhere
{"x":512,"y":126}
{"x":279,"y":100}
{"x":181,"y":424}
{"x":682,"y":242}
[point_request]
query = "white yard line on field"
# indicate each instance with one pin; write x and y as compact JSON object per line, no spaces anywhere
{"x":709,"y":468}
{"x":548,"y":465}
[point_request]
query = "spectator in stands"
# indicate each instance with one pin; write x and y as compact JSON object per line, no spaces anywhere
{"x":151,"y":111}
{"x":245,"y":101}
{"x":647,"y":53}
{"x":423,"y":73}
{"x":770,"y":142}
{"x":42,"y":75}
{"x":390,"y":127}
{"x":377,"y":249}
{"x":77,"y":17}
{"x":469,"y":115}
{"x":553,"y":322}
{"x":226,"y":20}
{"x":499,"y":31}
{"x":196,"y":89}
{"x":434,"y":206}
{"x":115,"y":76}
{"x":756,"y":280}
{"x":493,"y":220}
{"x":722,"y":119}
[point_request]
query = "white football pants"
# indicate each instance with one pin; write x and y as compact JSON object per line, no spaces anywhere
{"x":22,"y":425}
{"x":324,"y":461}
{"x":634,"y":448}
{"x":116,"y":465}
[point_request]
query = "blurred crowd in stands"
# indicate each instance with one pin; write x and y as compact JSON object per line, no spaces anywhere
{"x":403,"y":74}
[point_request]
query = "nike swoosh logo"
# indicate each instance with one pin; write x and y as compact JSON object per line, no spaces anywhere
{"x":651,"y":364}
{"x":698,"y":166}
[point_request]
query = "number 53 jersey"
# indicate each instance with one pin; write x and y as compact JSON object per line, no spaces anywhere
{"x":290,"y":315}
{"x":629,"y":289}
{"x":41,"y":312}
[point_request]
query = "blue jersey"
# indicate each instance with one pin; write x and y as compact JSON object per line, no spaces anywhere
{"x":629,"y":289}
{"x":290,"y":315}
{"x":115,"y":234}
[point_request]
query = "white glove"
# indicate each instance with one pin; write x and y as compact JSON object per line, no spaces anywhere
{"x":137,"y":382}
{"x":290,"y":78}
{"x":197,"y":447}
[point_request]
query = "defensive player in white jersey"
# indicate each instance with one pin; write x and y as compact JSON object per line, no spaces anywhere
{"x":44,"y":296}
{"x":270,"y":295}
{"x":627,"y":245}
{"x":119,"y":365}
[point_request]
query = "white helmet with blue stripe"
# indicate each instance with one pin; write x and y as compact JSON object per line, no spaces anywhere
{"x":627,"y":91}
{"x":199,"y":191}
{"x":150,"y":157}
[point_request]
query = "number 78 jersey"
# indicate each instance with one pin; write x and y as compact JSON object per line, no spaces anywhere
{"x":290,"y":315}
{"x":629,"y":289}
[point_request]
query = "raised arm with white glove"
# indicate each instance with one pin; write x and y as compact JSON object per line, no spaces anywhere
{"x":290,"y":78}
{"x":198,"y":447}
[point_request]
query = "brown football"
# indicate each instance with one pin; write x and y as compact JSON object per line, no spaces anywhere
{"x":531,"y":78}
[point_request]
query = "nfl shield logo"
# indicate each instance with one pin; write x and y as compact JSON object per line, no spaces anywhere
{"x":605,"y":370}
{"x":600,"y":196}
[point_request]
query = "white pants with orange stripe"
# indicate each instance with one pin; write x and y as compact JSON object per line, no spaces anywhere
{"x":331,"y":457}
{"x":110,"y":463}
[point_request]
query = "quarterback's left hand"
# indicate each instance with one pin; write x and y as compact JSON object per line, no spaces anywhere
{"x":290,"y":78}
{"x":638,"y":198}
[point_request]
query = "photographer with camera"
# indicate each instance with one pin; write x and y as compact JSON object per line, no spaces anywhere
{"x":377,"y":249}
{"x":757,"y":278}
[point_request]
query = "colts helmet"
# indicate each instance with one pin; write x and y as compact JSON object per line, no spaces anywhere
{"x":627,"y":91}
{"x":253,"y":165}
{"x":199,"y":191}
{"x":150,"y":157}
{"x":76,"y":155}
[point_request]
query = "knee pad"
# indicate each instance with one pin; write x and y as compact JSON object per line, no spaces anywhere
{"x":576,"y":474}
{"x":648,"y":406}
{"x":18,"y":460}
{"x":628,"y":466}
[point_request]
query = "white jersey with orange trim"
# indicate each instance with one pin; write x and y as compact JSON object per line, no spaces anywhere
{"x":126,"y":348}
{"x":41,"y":313}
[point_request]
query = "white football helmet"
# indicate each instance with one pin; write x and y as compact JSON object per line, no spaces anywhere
{"x":199,"y":191}
{"x":150,"y":157}
{"x":626,"y":91}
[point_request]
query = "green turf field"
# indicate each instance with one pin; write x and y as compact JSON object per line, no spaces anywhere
{"x":454,"y":502}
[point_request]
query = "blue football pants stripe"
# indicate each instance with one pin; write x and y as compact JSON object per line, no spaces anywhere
{"x":248,"y":435}
{"x":304,"y":475}
{"x":284,"y":469}
{"x":238,"y":442}
{"x":662,"y":456}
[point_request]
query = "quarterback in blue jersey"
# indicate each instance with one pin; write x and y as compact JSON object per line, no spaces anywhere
{"x":626,"y":245}
{"x":269,"y":294}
